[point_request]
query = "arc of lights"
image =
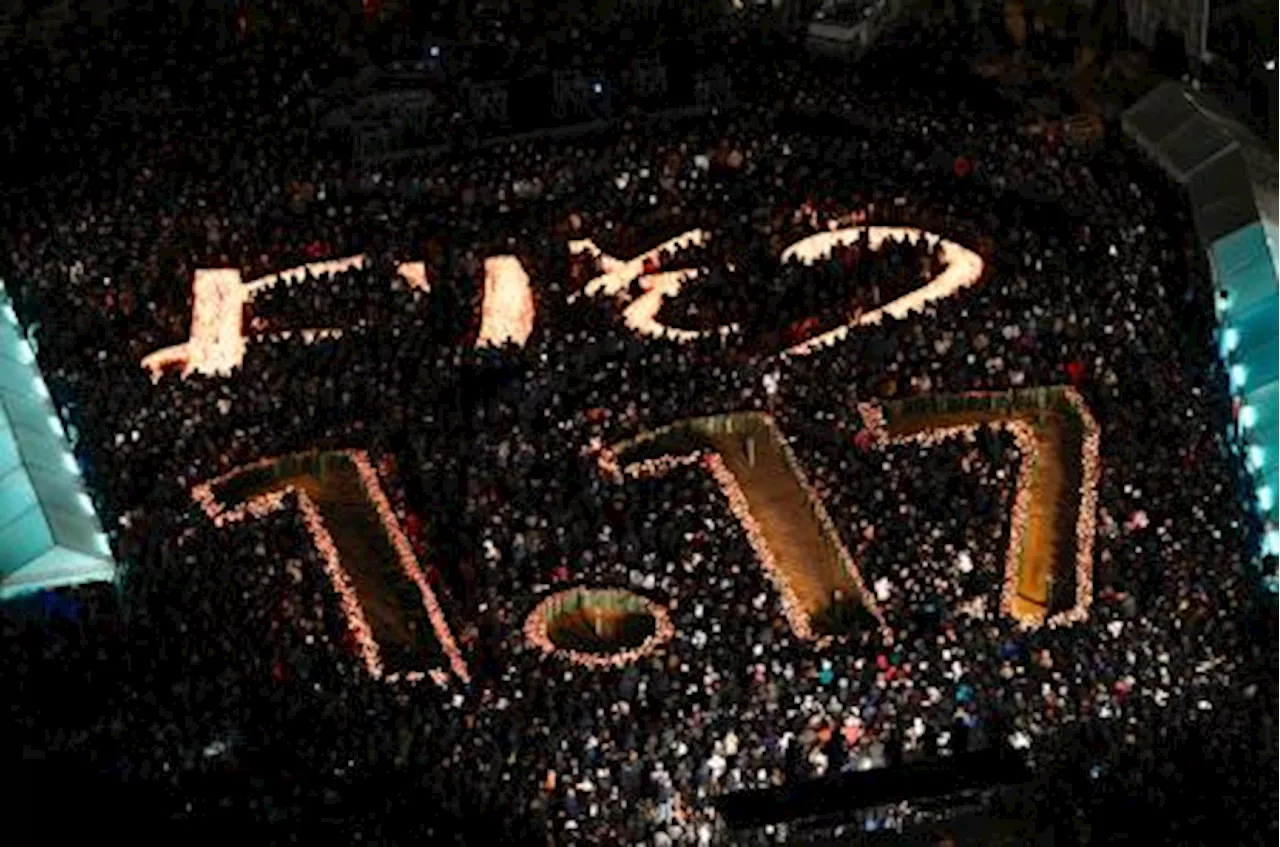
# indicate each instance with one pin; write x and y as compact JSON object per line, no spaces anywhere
{"x":964,"y":269}
{"x":218,"y":342}
{"x":537,"y":630}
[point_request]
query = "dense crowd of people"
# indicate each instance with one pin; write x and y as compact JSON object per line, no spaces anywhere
{"x":804,"y":299}
{"x":229,"y":687}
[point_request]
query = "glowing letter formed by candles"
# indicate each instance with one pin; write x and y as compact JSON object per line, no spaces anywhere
{"x":795,"y":541}
{"x":217,"y":343}
{"x":963,"y":269}
{"x":1052,"y":426}
{"x":641,"y":315}
{"x":508,"y":310}
{"x":339,"y":482}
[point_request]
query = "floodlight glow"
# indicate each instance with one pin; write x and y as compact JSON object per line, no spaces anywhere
{"x":1248,"y":417}
{"x":1239,"y":375}
{"x":1271,"y":64}
{"x":1231,"y":339}
{"x":1265,"y":498}
{"x":1256,"y":457}
{"x":1271,"y":543}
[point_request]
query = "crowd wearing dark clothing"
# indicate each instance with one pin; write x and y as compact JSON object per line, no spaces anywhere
{"x":231,"y":687}
{"x":809,"y":299}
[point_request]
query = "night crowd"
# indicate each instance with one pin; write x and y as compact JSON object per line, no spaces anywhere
{"x":224,"y":688}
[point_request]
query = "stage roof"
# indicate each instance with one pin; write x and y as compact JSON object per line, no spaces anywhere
{"x":50,"y":535}
{"x":1229,"y":173}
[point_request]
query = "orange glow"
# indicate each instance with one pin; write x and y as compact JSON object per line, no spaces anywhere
{"x":300,"y":273}
{"x":217,"y":343}
{"x":619,"y":274}
{"x":535,"y":631}
{"x":793,"y":609}
{"x":508,"y":311}
{"x":1024,"y":435}
{"x":265,"y":504}
{"x":964,"y":269}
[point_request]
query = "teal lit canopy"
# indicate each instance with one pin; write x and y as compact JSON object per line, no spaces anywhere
{"x":1250,"y":314}
{"x":49,"y":532}
{"x":1231,"y":182}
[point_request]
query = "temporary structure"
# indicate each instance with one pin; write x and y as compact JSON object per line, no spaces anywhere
{"x":50,"y":535}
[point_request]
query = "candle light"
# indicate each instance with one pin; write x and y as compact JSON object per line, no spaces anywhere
{"x":537,"y":633}
{"x":873,"y":420}
{"x":265,"y":504}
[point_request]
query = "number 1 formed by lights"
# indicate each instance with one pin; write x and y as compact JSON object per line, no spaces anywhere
{"x":355,"y":473}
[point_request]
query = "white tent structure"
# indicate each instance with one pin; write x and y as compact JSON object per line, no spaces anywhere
{"x":50,"y":535}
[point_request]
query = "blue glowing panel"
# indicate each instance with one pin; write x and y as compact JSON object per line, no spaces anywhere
{"x":14,"y":382}
{"x":1266,"y":401}
{"x":24,"y":539}
{"x":28,"y":412}
{"x":1259,"y":347}
{"x":9,"y":458}
{"x":1260,"y":369}
{"x":17,"y":496}
{"x":1269,"y":473}
{"x":13,"y":347}
{"x":56,"y":567}
{"x":50,"y":535}
{"x":42,"y":448}
{"x":1244,"y":267}
{"x":1238,"y":250}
